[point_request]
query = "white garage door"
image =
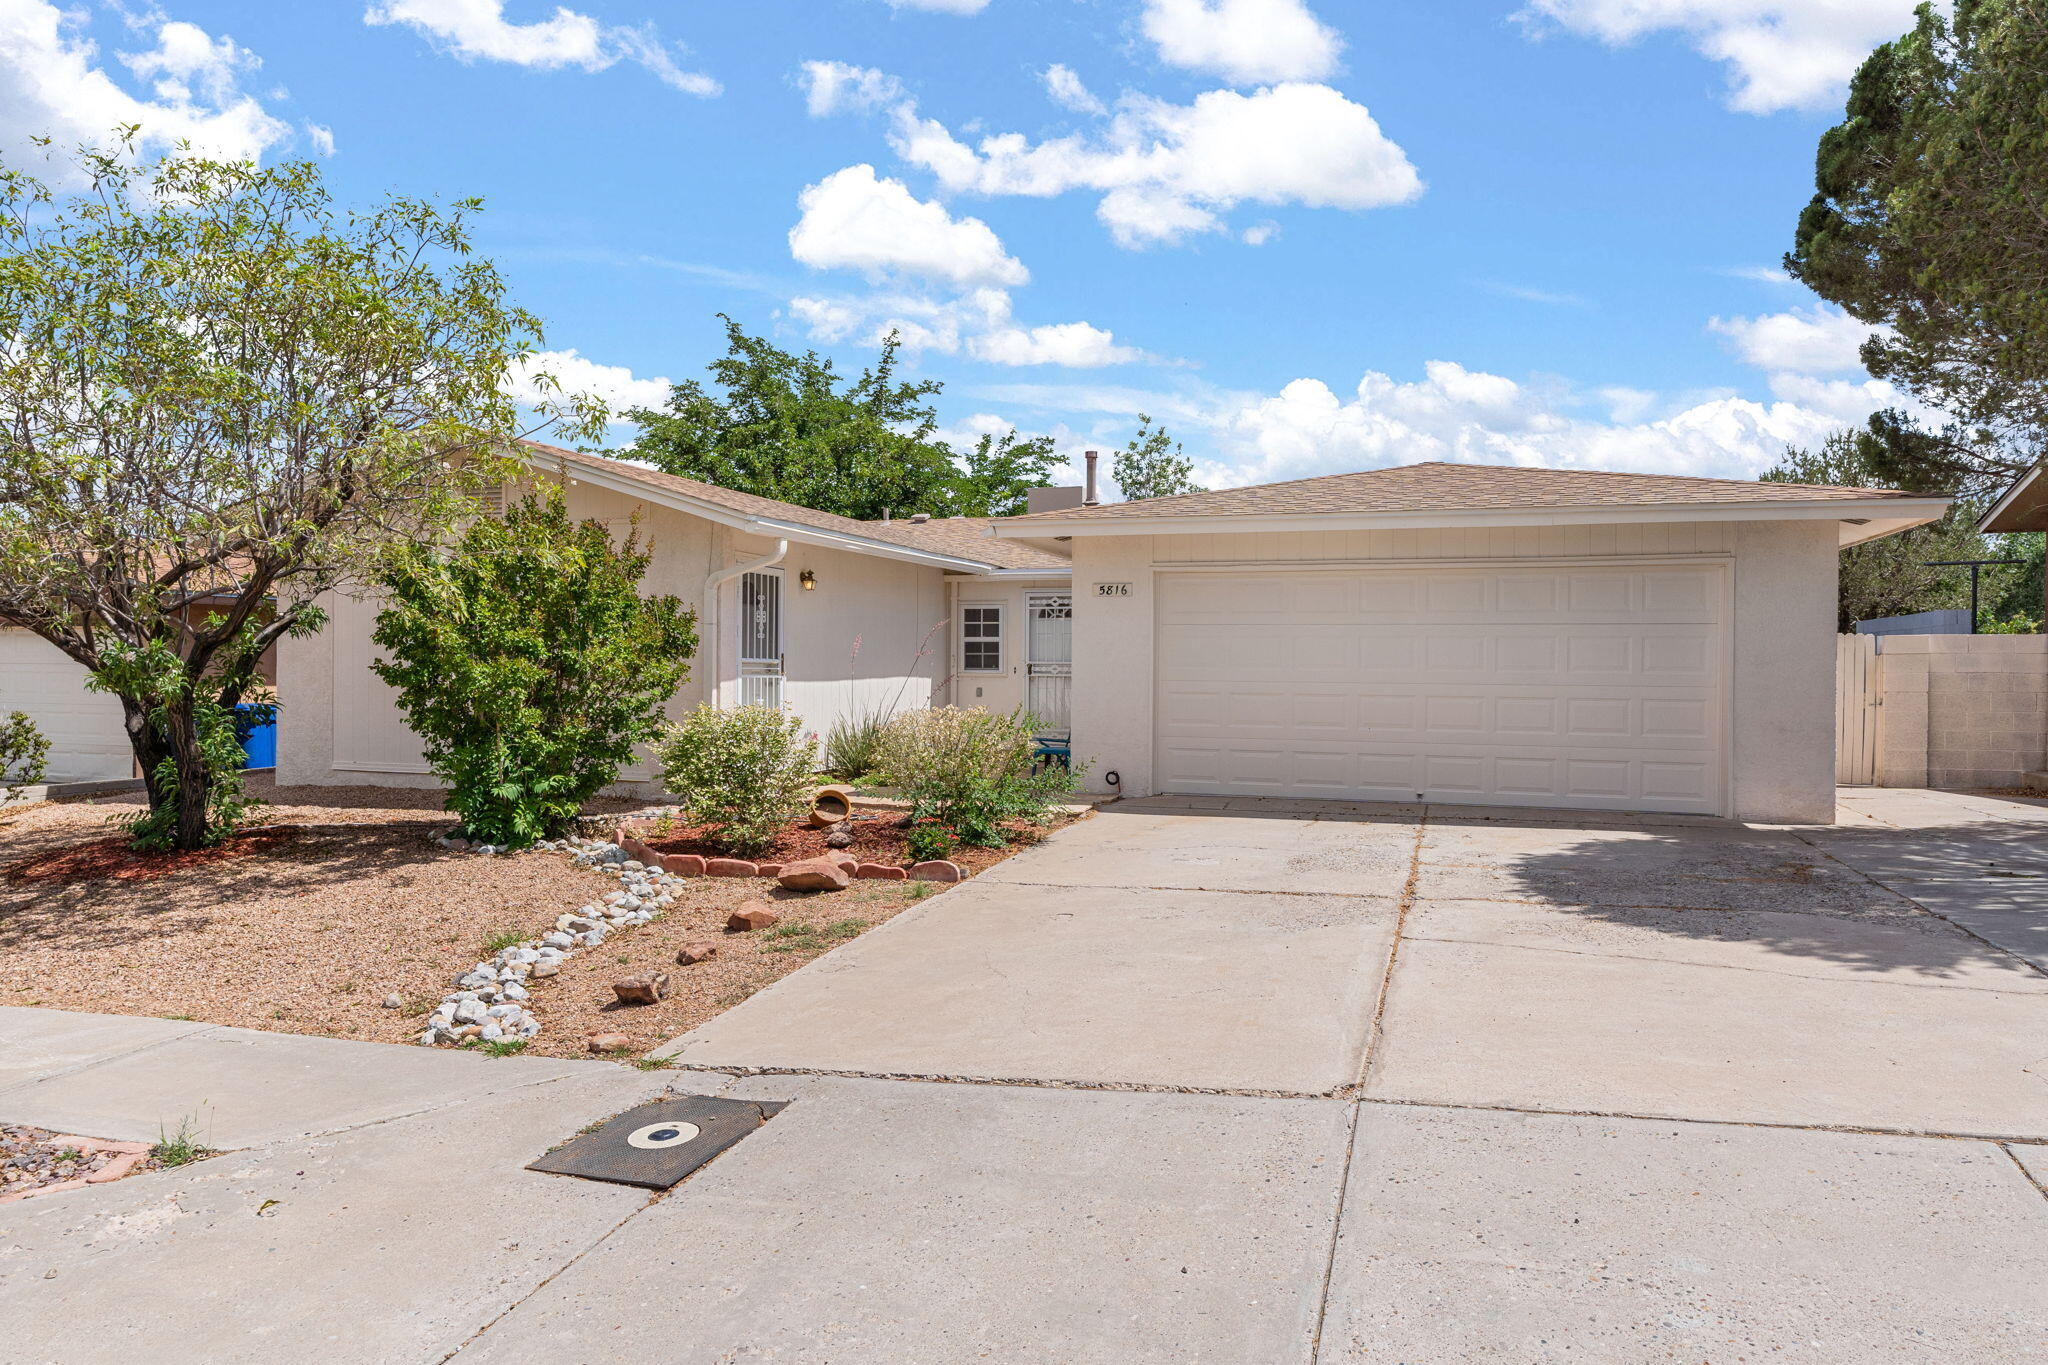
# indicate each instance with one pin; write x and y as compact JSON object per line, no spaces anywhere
{"x":1520,"y":685}
{"x":88,"y":737}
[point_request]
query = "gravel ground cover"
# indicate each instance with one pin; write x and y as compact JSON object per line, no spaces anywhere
{"x":35,"y":1160}
{"x":342,"y":899}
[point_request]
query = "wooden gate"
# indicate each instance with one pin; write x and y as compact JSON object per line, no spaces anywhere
{"x":1856,"y":709}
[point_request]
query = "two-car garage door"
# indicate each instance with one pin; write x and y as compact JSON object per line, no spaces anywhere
{"x":1600,"y":687}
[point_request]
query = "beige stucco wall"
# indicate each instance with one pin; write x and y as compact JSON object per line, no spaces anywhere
{"x":1782,"y":679}
{"x":1961,"y":711}
{"x":341,"y":724}
{"x":87,"y":733}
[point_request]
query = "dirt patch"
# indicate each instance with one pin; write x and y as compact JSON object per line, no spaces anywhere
{"x":579,"y":1001}
{"x":112,"y":858}
{"x":310,"y":931}
{"x":878,"y":837}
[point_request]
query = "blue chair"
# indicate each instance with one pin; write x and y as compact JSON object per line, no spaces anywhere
{"x":1047,"y":751}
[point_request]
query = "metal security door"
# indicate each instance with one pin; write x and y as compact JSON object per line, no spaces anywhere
{"x":1049,"y":661}
{"x":761,"y":640}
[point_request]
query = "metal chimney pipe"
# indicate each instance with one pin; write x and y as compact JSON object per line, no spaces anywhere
{"x":1088,"y":498}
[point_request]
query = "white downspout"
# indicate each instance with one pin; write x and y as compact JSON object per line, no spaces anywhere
{"x":712,"y":583}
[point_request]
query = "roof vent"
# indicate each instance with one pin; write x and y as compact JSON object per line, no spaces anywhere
{"x":919,"y":518}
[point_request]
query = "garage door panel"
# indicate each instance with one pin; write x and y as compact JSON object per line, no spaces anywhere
{"x":1581,"y":687}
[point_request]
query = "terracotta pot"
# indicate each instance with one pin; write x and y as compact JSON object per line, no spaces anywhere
{"x":830,"y":806}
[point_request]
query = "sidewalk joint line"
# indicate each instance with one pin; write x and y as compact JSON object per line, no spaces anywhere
{"x":1849,"y":1129}
{"x":1376,"y":1031}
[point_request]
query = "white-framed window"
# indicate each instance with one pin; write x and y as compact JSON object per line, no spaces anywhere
{"x":981,"y":639}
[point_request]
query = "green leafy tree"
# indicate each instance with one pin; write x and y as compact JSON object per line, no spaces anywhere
{"x":1151,"y":466}
{"x":786,"y":426}
{"x":996,"y":475}
{"x":1928,"y":221}
{"x":529,"y":663}
{"x":219,"y":396}
{"x":1891,"y":576}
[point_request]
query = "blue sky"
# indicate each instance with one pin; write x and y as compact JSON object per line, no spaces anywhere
{"x":1309,"y":236}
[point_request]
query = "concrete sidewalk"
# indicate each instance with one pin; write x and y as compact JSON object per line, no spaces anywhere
{"x":1189,"y":1082}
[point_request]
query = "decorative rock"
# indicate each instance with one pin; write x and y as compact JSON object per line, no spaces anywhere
{"x":609,"y":1042}
{"x":731,"y":867}
{"x":558,"y":939}
{"x":937,"y":870}
{"x":700,"y":950}
{"x":544,"y":970}
{"x":879,"y":872}
{"x":755,"y":916}
{"x":817,"y":874}
{"x":642,"y":990}
{"x":683,"y":864}
{"x":394,"y":1001}
{"x":839,"y":838}
{"x":769,"y":869}
{"x":468,"y":1012}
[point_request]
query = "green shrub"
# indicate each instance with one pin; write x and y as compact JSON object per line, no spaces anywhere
{"x":746,"y":772}
{"x":971,"y":769}
{"x":23,"y":755}
{"x":854,"y":744}
{"x":929,"y":839}
{"x":529,"y":664}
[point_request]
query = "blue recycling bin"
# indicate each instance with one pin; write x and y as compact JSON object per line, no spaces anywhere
{"x":256,"y":728}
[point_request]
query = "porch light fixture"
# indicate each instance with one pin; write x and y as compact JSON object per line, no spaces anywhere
{"x":808,"y":579}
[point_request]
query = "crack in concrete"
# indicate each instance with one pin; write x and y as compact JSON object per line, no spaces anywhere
{"x":1376,"y":1030}
{"x":1853,"y":1129}
{"x":2031,"y":1178}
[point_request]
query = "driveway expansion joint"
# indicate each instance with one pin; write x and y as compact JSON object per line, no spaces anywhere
{"x":1850,"y":1129}
{"x":1011,"y":1082}
{"x":65,"y":1073}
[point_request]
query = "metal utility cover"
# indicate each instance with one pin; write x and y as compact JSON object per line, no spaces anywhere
{"x":658,"y":1144}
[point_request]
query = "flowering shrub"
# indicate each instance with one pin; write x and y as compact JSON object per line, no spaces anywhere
{"x":971,"y":769}
{"x":929,"y":839}
{"x":746,"y":771}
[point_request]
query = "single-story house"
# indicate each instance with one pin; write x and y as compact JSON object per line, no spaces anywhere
{"x":1442,"y":632}
{"x":823,"y":614}
{"x":1468,"y":633}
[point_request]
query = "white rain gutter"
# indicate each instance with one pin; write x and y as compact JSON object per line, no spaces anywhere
{"x":716,"y":580}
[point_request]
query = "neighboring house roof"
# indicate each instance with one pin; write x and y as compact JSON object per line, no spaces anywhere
{"x":963,"y":540}
{"x":2022,"y":507}
{"x":1446,"y":493}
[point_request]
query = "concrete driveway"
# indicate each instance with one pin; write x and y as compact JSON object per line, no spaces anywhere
{"x":1197,"y":1080}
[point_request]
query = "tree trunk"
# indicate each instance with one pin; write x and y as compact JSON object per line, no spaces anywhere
{"x":190,"y":784}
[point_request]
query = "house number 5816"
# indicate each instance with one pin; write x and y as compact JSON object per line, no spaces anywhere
{"x":1112,"y":590}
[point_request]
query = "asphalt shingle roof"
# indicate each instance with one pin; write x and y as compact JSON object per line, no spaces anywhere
{"x":961,"y":537}
{"x":1442,"y":486}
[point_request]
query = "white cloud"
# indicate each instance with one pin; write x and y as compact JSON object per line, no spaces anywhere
{"x":52,"y":85}
{"x":1247,"y":42}
{"x":322,"y":138}
{"x":1452,"y":413}
{"x":1781,"y":54}
{"x":474,"y":30}
{"x":942,"y":6}
{"x":1258,"y":234}
{"x":837,"y":88}
{"x":1760,"y":274}
{"x":1548,"y":297}
{"x":1068,"y":91}
{"x":854,"y":220}
{"x":615,"y":384}
{"x":1077,"y":345}
{"x":976,"y":323}
{"x":1818,"y":340}
{"x":1166,"y":171}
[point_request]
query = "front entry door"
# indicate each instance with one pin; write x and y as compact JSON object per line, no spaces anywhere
{"x":761,"y":639}
{"x":1049,"y":661}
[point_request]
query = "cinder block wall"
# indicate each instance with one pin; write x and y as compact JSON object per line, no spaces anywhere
{"x":1962,"y":711}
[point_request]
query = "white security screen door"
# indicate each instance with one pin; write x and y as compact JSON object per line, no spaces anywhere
{"x":1601,"y":687}
{"x":1049,"y":661}
{"x":761,"y":639}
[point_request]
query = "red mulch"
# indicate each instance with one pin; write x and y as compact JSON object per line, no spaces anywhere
{"x":112,"y":859}
{"x":876,"y":839}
